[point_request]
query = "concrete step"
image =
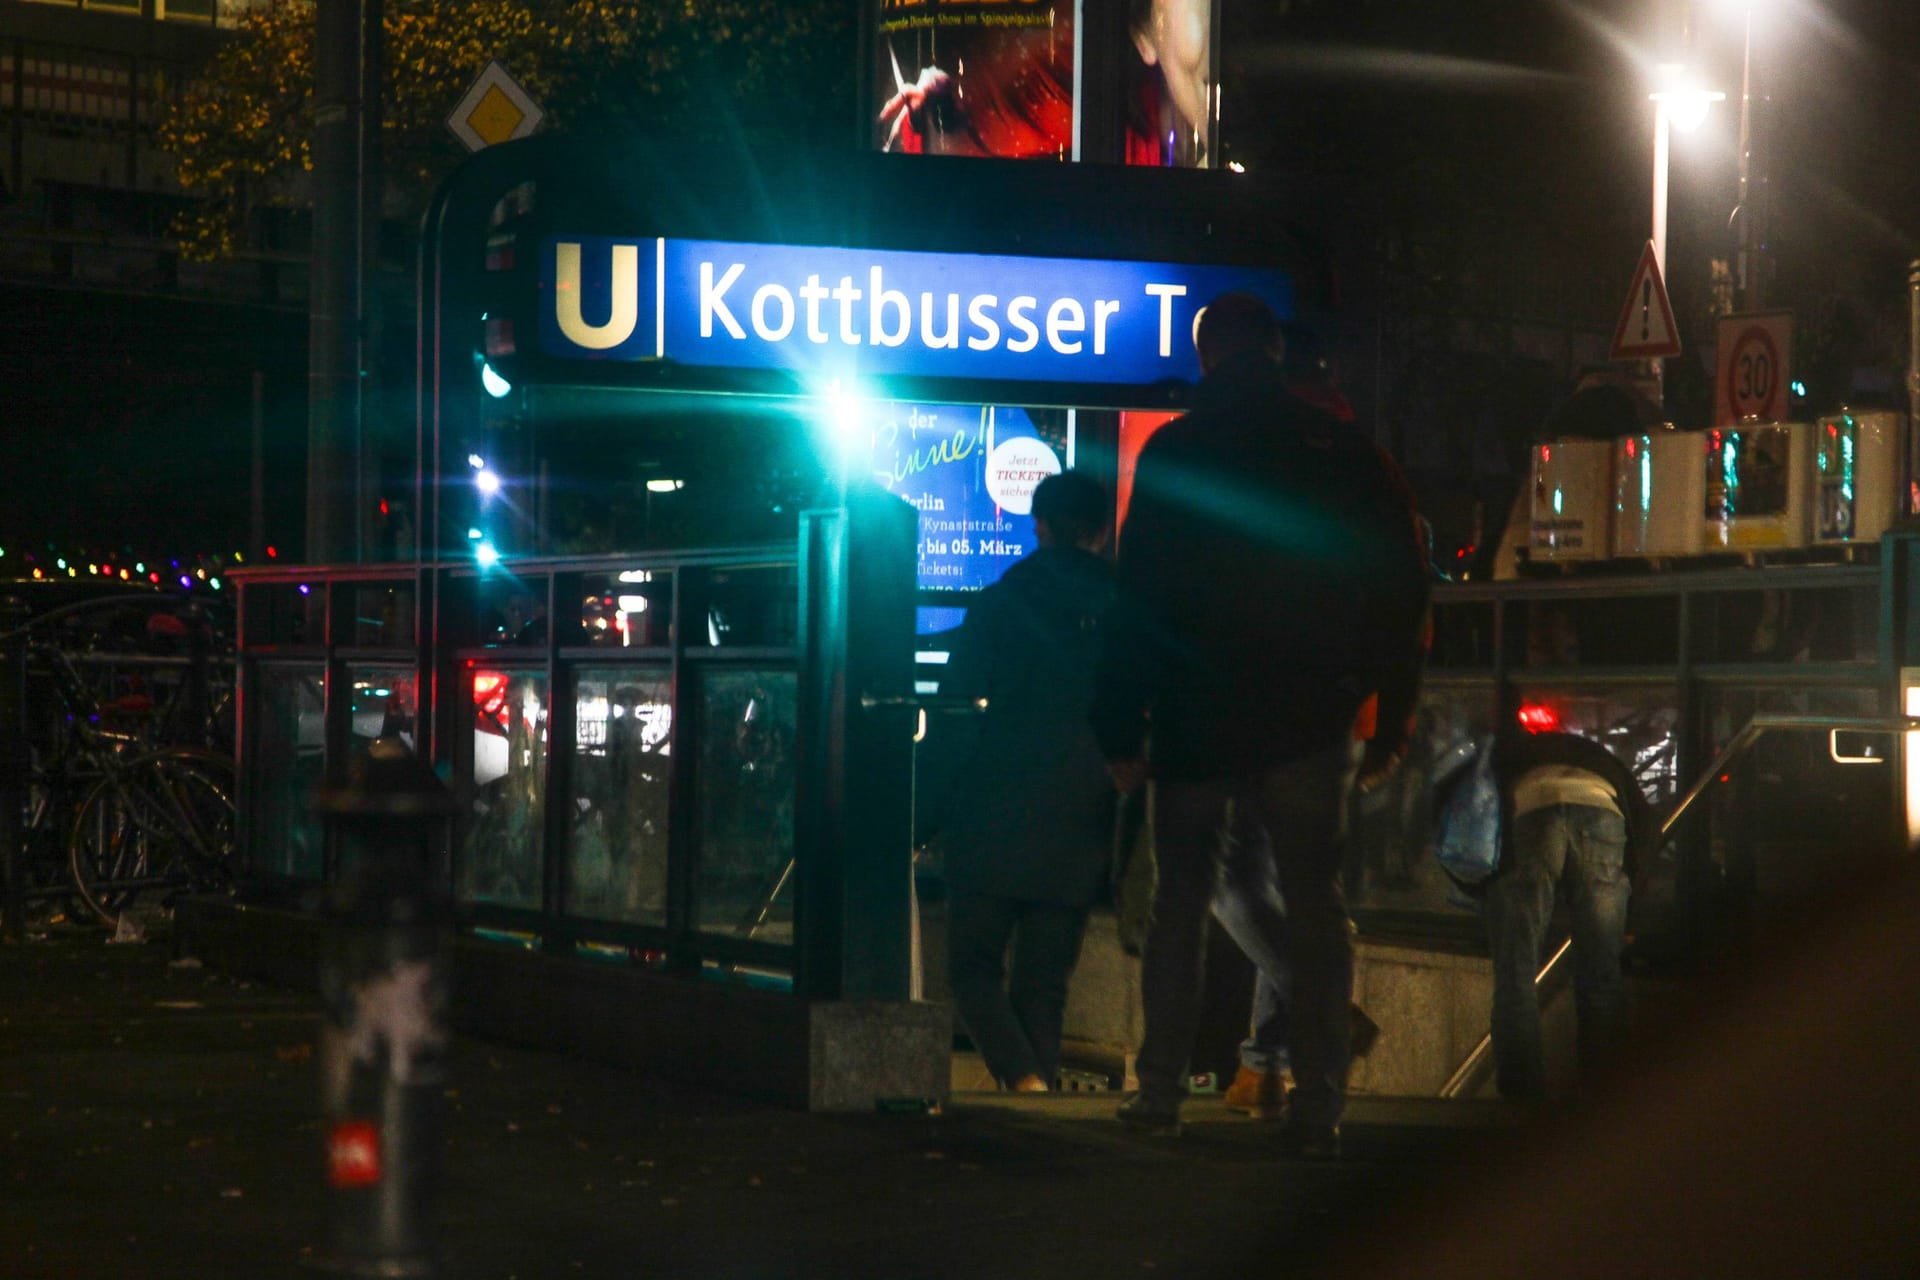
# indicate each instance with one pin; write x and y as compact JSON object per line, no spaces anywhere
{"x":1432,"y":1004}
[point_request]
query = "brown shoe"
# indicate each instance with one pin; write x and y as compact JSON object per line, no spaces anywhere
{"x":1260,"y":1094}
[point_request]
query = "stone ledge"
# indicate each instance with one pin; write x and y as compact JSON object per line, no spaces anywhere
{"x":825,"y":1056}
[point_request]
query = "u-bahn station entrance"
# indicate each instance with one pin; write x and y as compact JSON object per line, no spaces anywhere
{"x":711,"y":456}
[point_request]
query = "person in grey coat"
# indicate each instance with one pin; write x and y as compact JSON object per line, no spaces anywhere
{"x":1025,"y":809}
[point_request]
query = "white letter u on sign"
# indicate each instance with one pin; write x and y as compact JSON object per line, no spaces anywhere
{"x":625,"y":288}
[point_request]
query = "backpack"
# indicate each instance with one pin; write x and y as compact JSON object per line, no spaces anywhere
{"x":1467,"y":831}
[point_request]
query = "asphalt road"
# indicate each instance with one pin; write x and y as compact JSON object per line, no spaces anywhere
{"x":161,"y":1120}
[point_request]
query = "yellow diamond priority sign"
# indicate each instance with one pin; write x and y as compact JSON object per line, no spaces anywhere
{"x":496,"y":109}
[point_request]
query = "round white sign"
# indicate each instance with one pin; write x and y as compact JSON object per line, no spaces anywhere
{"x":1015,"y":468}
{"x":1754,"y":376}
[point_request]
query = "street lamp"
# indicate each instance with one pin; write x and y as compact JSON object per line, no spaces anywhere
{"x":1677,"y":104}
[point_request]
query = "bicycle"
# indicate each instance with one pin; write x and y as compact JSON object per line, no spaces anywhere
{"x":116,"y":812}
{"x":160,"y":820}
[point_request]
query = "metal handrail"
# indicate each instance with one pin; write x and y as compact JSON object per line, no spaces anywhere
{"x":1472,"y":1068}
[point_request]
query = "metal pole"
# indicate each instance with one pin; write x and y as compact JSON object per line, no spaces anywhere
{"x":347,"y":42}
{"x":369,"y":183}
{"x":199,"y":691}
{"x":1913,"y":363}
{"x":13,"y":766}
{"x":1747,"y":279}
{"x":257,"y":480}
{"x":1662,"y":151}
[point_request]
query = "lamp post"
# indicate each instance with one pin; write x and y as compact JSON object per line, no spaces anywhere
{"x":1748,"y":211}
{"x":1677,"y":104}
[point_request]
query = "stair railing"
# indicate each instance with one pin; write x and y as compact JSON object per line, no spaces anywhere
{"x":1472,"y":1071}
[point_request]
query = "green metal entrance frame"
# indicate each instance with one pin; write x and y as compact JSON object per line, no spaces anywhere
{"x":753,"y":838}
{"x":479,"y":301}
{"x":761,"y":927}
{"x":330,"y":662}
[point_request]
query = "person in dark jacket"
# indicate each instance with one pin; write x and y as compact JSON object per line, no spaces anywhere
{"x":1573,"y":816}
{"x":1270,"y":598}
{"x":1029,"y":827}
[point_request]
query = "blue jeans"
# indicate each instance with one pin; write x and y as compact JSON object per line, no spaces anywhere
{"x":1265,"y":1048}
{"x":1580,"y":852}
{"x":1207,"y":850}
{"x":1242,"y":907}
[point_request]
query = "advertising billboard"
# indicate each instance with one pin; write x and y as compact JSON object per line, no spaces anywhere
{"x":1136,"y":428}
{"x":1008,"y":78}
{"x":1168,"y":84}
{"x":970,"y":470}
{"x":976,"y":78}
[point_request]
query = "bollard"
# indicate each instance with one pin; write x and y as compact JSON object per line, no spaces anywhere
{"x":383,"y":982}
{"x":14,"y":768}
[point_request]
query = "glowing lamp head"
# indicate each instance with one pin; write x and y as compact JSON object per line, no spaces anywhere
{"x":1682,"y":98}
{"x":487,"y":482}
{"x":486,"y":555}
{"x":496,"y":386}
{"x":846,"y":418}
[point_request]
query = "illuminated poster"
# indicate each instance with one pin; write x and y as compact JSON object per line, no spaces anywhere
{"x":1168,"y":83}
{"x":976,"y":78}
{"x":971,"y":471}
{"x":1136,"y":428}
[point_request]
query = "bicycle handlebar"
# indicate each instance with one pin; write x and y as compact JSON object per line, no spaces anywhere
{"x":157,"y":600}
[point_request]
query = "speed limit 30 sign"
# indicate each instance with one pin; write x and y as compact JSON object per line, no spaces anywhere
{"x":1756,"y":352}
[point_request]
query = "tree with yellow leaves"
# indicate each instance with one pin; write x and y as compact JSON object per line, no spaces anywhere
{"x":693,"y":69}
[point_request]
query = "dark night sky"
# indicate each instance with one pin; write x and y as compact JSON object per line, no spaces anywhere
{"x":131,"y":422}
{"x":1515,"y":136}
{"x":1517,"y":127}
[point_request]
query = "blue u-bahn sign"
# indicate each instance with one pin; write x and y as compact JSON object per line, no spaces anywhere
{"x":835,"y":312}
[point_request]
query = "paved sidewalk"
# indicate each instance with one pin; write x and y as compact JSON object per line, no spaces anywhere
{"x":160,"y":1120}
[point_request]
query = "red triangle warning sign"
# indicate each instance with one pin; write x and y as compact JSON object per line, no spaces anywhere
{"x":1646,"y":330}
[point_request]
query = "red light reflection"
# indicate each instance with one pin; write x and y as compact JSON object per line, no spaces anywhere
{"x":1536,"y":718}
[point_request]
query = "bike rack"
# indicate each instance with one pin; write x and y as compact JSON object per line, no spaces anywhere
{"x":16,"y":650}
{"x":1471,"y":1072}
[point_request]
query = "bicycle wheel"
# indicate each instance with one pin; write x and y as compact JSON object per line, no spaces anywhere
{"x":161,"y":821}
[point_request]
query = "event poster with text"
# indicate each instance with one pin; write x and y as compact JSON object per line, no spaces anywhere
{"x":970,"y":470}
{"x":975,"y":78}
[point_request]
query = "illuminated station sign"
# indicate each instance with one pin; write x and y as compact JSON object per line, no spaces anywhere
{"x":879,"y":313}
